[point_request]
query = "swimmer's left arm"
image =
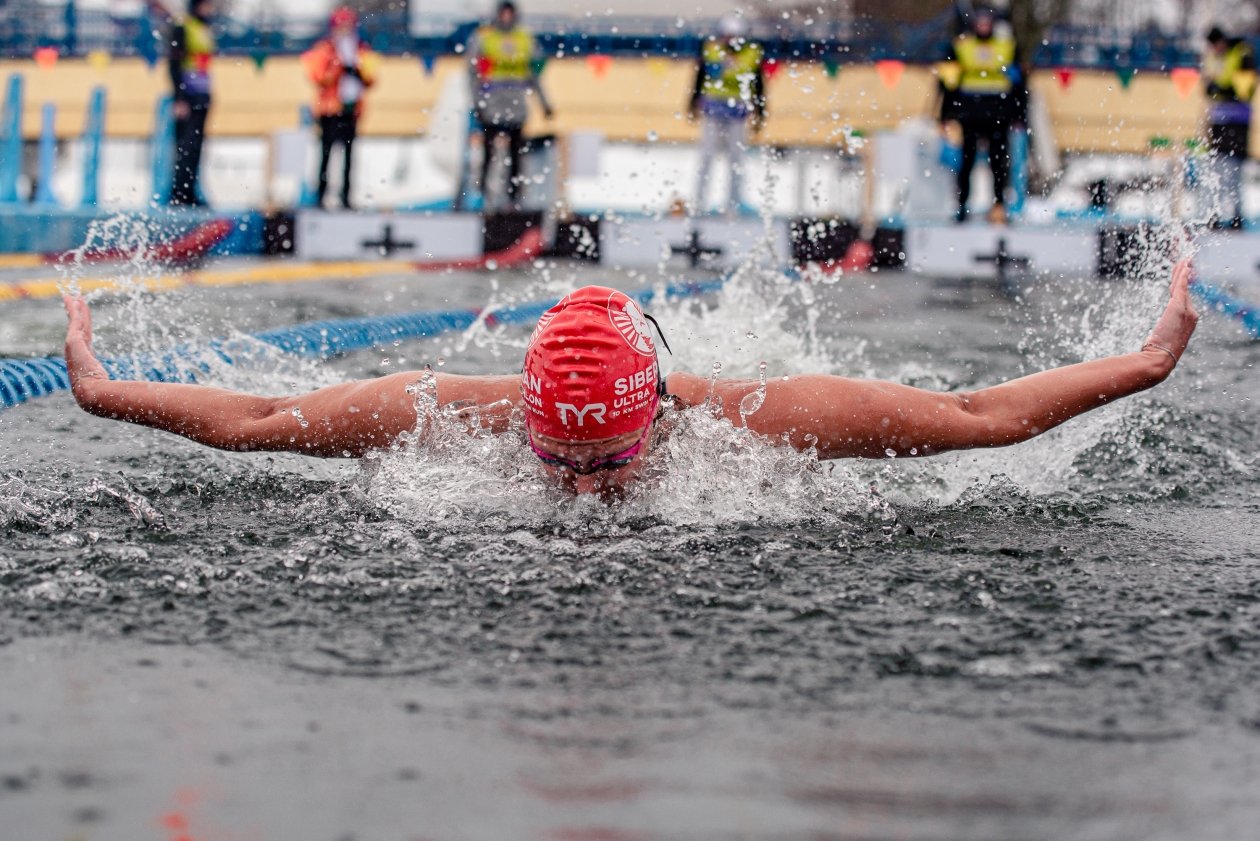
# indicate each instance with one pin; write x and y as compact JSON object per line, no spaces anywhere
{"x":843,"y":417}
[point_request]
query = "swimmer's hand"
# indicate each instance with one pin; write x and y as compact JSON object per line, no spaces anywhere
{"x":81,"y":363}
{"x":1173,"y":330}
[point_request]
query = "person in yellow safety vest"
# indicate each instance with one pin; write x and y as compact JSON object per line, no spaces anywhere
{"x":729,"y":90}
{"x":504,"y":70}
{"x":342,"y":68}
{"x":1230,"y":70}
{"x":983,"y":91}
{"x":191,"y":51}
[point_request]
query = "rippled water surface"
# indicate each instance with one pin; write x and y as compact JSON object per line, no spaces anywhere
{"x":1053,"y":640}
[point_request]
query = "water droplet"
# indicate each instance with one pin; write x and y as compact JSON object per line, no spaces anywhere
{"x":441,"y":360}
{"x":297,"y":413}
{"x":652,"y":137}
{"x":890,"y":452}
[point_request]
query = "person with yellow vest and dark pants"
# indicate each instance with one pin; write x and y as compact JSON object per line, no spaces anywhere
{"x":342,"y":68}
{"x":729,"y":91}
{"x":504,"y":71}
{"x":191,"y":51}
{"x":984,"y":93}
{"x":1230,"y":69}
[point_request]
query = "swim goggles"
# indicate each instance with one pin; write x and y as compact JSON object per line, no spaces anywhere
{"x":611,"y":462}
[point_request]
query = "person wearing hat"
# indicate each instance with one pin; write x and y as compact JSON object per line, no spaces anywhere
{"x":342,"y":68}
{"x":729,"y":91}
{"x":983,"y":91}
{"x":590,"y":403}
{"x":191,"y":51}
{"x":504,"y":70}
{"x":1230,"y":70}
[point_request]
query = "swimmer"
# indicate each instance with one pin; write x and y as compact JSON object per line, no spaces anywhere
{"x":591,"y":394}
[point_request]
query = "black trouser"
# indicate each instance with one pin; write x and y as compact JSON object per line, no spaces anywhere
{"x":337,"y":129}
{"x":516,"y":146}
{"x":995,"y":134}
{"x":190,"y":132}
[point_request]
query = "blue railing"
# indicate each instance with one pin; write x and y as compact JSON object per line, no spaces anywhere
{"x":26,"y":25}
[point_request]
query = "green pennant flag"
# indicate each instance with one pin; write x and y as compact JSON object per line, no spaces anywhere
{"x":260,"y":58}
{"x":1125,"y":75}
{"x":537,"y":66}
{"x":832,"y":68}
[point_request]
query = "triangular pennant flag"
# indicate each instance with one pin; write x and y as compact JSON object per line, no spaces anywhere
{"x":1185,"y":80}
{"x":537,"y":65}
{"x":599,"y":64}
{"x":98,"y":60}
{"x":832,"y":68}
{"x":1064,"y":75}
{"x":260,"y":58}
{"x":45,"y":57}
{"x":1125,"y":75}
{"x":428,"y":62}
{"x":771,"y":68}
{"x":890,"y":71}
{"x":658,"y":66}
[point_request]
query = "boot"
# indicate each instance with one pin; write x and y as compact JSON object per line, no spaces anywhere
{"x":996,"y":215}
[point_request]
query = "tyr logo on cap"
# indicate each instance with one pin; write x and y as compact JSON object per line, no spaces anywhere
{"x":596,"y":411}
{"x":630,"y":323}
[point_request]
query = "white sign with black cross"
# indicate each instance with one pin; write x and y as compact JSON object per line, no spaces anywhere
{"x":419,"y":237}
{"x":712,"y":243}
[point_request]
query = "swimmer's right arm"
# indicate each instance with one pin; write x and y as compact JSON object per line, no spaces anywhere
{"x":344,"y":420}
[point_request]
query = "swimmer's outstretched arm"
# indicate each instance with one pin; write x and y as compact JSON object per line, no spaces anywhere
{"x":845,"y":417}
{"x":347,"y":419}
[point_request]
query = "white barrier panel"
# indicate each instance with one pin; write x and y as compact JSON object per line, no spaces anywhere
{"x":972,"y":250}
{"x":1230,"y":260}
{"x":708,"y":243}
{"x":324,"y":235}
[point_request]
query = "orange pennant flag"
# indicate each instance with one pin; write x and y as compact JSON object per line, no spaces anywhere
{"x":599,"y":64}
{"x":890,"y":71}
{"x":46,"y":57}
{"x":1185,"y":80}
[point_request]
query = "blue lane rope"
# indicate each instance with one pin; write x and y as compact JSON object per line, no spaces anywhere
{"x":1227,"y":305}
{"x":25,"y":379}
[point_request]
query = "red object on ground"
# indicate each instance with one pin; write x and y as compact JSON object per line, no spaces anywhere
{"x":523,"y":250}
{"x":183,"y":250}
{"x":859,"y":256}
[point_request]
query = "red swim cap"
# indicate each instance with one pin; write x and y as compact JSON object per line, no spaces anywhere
{"x":343,"y":16}
{"x":590,"y":368}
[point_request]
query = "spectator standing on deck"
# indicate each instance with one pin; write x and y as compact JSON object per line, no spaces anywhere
{"x":504,"y":69}
{"x":729,"y":91}
{"x":342,"y":68}
{"x":191,"y":51}
{"x":984,"y":92}
{"x":1230,"y":70}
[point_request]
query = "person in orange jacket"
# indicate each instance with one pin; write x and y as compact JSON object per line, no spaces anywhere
{"x":342,"y":68}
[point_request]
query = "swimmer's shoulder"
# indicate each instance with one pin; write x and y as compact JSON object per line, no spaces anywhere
{"x":687,"y":389}
{"x":480,"y":390}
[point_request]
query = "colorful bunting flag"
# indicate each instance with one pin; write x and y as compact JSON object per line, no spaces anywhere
{"x":1125,"y":75}
{"x":428,"y":62}
{"x":46,"y":57}
{"x":98,"y":60}
{"x":1064,"y":75}
{"x":890,"y":71}
{"x":1185,"y":80}
{"x":599,"y":64}
{"x":771,"y":68}
{"x":832,"y":68}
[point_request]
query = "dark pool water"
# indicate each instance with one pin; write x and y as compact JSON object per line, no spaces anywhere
{"x":1055,"y":640}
